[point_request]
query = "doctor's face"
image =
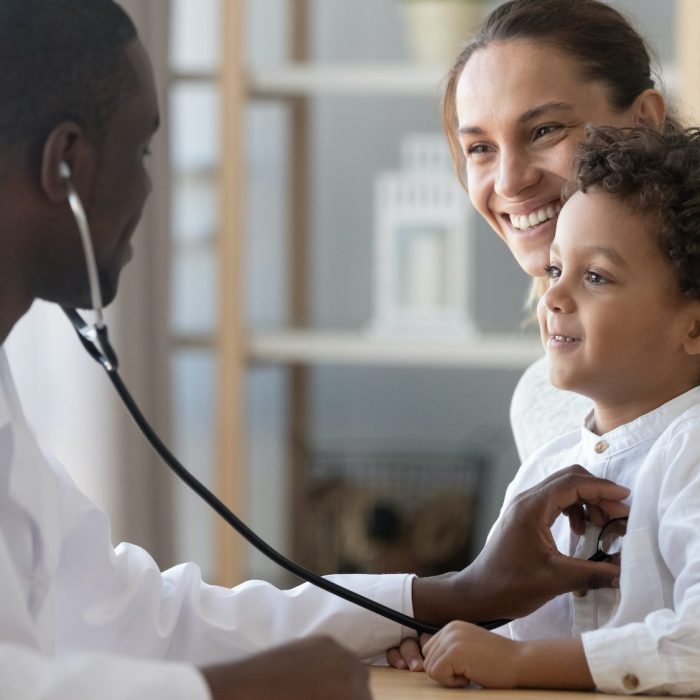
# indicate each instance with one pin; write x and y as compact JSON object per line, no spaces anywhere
{"x":522,"y":109}
{"x":122,"y":183}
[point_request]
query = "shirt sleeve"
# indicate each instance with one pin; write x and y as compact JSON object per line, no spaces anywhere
{"x":27,"y":675}
{"x":661,"y":653}
{"x":118,"y":601}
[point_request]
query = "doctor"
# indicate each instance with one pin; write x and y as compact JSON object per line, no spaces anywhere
{"x":80,"y":619}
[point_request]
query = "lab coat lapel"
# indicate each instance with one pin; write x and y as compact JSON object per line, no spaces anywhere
{"x":15,"y":618}
{"x":5,"y":414}
{"x":32,"y":486}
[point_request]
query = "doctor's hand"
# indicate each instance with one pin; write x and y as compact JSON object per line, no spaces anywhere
{"x":520,"y":567}
{"x":317,"y":668}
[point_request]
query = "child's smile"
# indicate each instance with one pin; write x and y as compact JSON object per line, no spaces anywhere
{"x":559,"y":340}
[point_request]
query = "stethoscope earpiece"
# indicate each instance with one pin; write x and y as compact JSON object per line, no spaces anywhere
{"x":64,"y":170}
{"x":81,"y":221}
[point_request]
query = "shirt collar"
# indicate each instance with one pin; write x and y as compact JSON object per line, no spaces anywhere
{"x":646,"y":427}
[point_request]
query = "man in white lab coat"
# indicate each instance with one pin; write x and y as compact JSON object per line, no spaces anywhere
{"x":80,"y":619}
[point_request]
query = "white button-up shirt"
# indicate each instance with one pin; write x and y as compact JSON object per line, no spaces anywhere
{"x":646,"y":636}
{"x":80,"y":619}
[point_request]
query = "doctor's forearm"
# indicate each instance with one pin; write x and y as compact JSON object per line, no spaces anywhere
{"x":441,"y":599}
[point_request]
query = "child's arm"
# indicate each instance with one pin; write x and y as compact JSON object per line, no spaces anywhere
{"x":462,"y":653}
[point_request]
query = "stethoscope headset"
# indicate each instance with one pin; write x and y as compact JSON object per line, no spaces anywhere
{"x":95,"y":339}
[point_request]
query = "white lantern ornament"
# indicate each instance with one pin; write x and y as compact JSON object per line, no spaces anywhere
{"x":423,"y":246}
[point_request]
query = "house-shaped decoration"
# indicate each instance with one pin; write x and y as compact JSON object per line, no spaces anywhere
{"x":423,"y":245}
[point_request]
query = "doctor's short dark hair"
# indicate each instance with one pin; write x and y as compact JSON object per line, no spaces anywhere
{"x":60,"y":60}
{"x":657,"y":175}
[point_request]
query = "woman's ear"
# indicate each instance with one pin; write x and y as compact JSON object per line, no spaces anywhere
{"x":649,"y":109}
{"x":65,"y":144}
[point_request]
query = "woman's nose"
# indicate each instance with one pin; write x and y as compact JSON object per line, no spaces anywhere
{"x":516,"y":172}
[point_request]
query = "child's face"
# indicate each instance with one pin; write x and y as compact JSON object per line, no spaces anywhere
{"x":611,"y":321}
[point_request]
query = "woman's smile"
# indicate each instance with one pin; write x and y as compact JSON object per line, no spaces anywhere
{"x":525,"y":222}
{"x":519,"y":135}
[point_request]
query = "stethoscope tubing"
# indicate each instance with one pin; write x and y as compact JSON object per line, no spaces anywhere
{"x":95,"y":339}
{"x":111,"y":367}
{"x":107,"y":358}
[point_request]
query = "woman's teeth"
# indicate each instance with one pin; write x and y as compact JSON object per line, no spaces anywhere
{"x":526,"y":221}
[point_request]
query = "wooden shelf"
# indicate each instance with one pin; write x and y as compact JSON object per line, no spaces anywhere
{"x":391,"y":80}
{"x":348,"y":348}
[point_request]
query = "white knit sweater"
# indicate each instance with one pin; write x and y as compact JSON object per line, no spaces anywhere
{"x":539,"y":412}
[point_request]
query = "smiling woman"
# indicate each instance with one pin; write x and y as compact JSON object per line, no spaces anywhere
{"x":519,"y":97}
{"x":517,"y":101}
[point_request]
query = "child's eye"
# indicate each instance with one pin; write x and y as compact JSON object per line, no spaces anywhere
{"x":596,"y":278}
{"x":552,"y":271}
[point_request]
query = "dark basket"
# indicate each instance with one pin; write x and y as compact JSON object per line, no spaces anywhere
{"x":392,"y":511}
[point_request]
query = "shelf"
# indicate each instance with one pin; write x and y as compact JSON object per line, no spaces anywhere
{"x":345,"y":348}
{"x":391,"y":80}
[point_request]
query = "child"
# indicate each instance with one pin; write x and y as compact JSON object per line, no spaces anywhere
{"x":620,"y":323}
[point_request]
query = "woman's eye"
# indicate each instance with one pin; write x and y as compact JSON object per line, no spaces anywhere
{"x":552,"y":271}
{"x":542,"y":131}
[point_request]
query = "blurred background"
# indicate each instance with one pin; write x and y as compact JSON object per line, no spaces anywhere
{"x":247,"y":322}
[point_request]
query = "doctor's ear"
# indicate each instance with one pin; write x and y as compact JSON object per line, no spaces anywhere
{"x":64,"y":170}
{"x":66,"y":155}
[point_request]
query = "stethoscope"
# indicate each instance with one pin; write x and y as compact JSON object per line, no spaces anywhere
{"x":95,"y":339}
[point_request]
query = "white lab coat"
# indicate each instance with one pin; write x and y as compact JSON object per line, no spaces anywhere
{"x":80,"y":619}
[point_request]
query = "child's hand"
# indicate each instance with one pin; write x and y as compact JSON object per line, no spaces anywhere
{"x":408,"y":654}
{"x":461,"y":653}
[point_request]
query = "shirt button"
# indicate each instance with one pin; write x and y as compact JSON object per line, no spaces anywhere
{"x":601,"y":446}
{"x":630,"y":682}
{"x":580,"y":594}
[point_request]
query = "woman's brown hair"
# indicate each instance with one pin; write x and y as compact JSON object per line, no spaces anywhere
{"x":604,"y":44}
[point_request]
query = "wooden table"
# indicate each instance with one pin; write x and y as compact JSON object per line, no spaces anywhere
{"x":390,"y":684}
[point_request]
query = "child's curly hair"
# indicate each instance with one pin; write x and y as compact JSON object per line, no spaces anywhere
{"x":657,"y":174}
